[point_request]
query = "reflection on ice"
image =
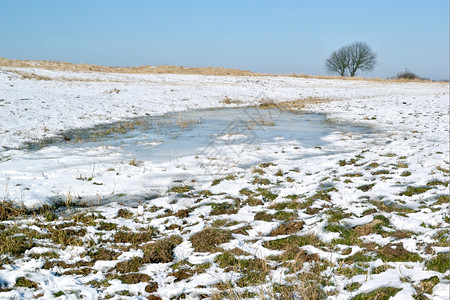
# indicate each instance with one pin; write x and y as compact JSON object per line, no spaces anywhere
{"x":164,"y":138}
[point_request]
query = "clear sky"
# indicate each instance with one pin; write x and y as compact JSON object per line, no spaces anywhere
{"x":257,"y":35}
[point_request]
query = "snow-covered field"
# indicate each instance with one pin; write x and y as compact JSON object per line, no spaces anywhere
{"x":362,"y":212}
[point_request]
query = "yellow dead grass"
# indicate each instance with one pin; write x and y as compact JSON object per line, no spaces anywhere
{"x":389,"y":80}
{"x":52,"y":65}
{"x":31,"y":75}
{"x":64,"y":66}
{"x":294,"y":105}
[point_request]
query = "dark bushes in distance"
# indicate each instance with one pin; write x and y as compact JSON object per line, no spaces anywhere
{"x":406,"y":74}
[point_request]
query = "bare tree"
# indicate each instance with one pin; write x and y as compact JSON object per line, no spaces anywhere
{"x":361,"y":58}
{"x":354,"y":57}
{"x":338,"y":61}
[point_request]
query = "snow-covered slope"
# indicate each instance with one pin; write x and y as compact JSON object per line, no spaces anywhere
{"x":376,"y":204}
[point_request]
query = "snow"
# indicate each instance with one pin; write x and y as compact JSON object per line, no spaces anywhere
{"x":407,"y":119}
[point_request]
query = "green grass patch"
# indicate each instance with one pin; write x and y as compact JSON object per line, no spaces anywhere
{"x":353,"y":286}
{"x":226,"y":260}
{"x":384,"y":220}
{"x":216,"y":182}
{"x":413,"y":190}
{"x":437,"y":182}
{"x":14,"y":244}
{"x":369,"y":211}
{"x":348,"y":235}
{"x":285,"y":215}
{"x":439,"y":263}
{"x":396,"y":253}
{"x":350,"y":272}
{"x":246,"y":192}
{"x":383,"y":293}
{"x":26,"y":283}
{"x":359,"y":257}
{"x":253,"y":271}
{"x":381,"y":172}
{"x":180,"y":189}
{"x":287,"y":205}
{"x":335,"y":215}
{"x":390,"y":207}
{"x":320,"y":195}
{"x":106,"y":226}
{"x":293,"y":197}
{"x":267,"y":194}
{"x":444,"y":199}
{"x":279,"y":215}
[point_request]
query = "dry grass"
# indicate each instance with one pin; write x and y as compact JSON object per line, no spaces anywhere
{"x":9,"y":211}
{"x":135,"y":238}
{"x":293,"y":105}
{"x":228,"y":100}
{"x":34,"y":76}
{"x":208,"y":239}
{"x":161,"y":251}
{"x":362,"y":78}
{"x":64,"y":66}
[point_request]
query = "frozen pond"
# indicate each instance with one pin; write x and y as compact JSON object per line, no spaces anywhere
{"x":164,"y":138}
{"x":141,"y":158}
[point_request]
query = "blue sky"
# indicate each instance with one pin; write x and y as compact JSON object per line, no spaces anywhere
{"x":262,"y":36}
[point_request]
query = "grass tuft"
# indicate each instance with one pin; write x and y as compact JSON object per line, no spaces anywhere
{"x":124,"y":213}
{"x":439,"y":263}
{"x":293,"y":240}
{"x":396,"y":252}
{"x":14,"y":243}
{"x":24,"y":282}
{"x":9,"y":211}
{"x":208,"y":239}
{"x":383,"y":293}
{"x":412,"y":190}
{"x":366,"y":187}
{"x":135,"y":238}
{"x":348,"y":235}
{"x":161,"y":251}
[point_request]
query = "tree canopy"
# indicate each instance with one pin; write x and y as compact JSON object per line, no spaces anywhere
{"x":351,"y":58}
